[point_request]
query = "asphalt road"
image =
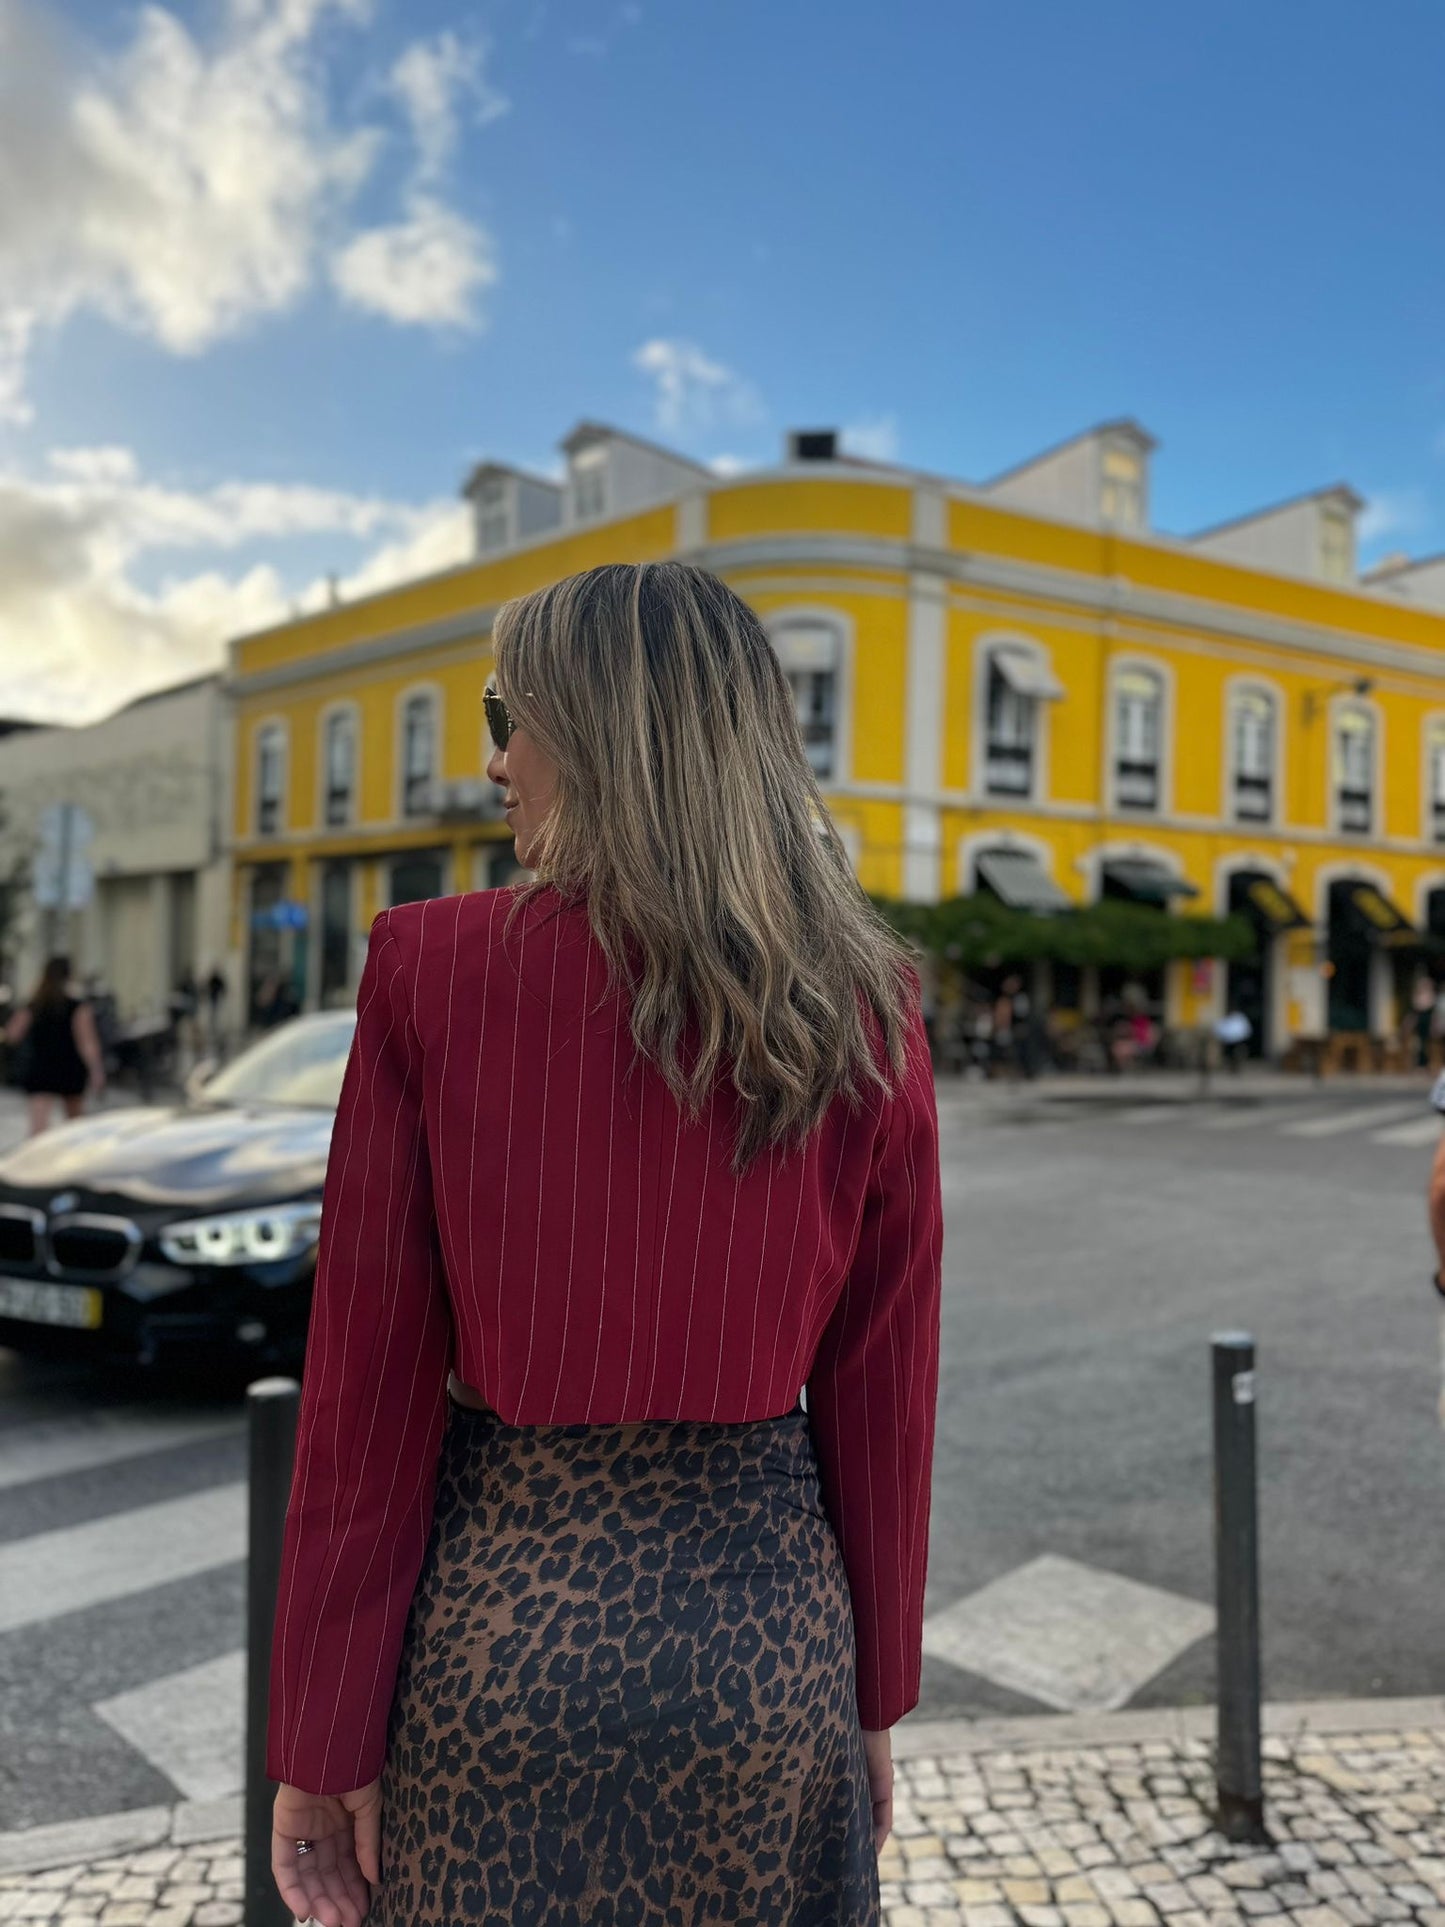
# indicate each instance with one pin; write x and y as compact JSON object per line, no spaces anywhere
{"x":1090,"y":1252}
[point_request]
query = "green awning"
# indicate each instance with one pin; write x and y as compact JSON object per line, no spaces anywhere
{"x":1021,"y":881}
{"x":1145,"y":881}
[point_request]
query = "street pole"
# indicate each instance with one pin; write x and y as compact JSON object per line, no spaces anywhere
{"x":272,"y":1405}
{"x":1238,"y":1772}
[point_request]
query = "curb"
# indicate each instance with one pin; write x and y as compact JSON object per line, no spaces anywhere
{"x":35,"y":1849}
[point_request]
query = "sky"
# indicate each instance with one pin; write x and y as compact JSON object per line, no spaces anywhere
{"x":275,"y":273}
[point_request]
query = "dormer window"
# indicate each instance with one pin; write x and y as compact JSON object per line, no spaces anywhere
{"x":1121,"y":489}
{"x":1337,"y":557}
{"x":493,"y":522}
{"x":589,"y":484}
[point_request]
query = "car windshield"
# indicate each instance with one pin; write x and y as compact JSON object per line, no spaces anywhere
{"x":301,"y":1063}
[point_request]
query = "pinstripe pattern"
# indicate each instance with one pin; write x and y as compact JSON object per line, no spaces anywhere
{"x":468,"y":1222}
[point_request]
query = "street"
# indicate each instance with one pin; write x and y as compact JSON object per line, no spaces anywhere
{"x":1091,"y":1249}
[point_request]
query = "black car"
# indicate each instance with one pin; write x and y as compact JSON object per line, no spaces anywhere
{"x":164,"y":1232}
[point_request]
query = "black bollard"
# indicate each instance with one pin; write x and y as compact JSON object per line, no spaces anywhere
{"x":271,"y":1405}
{"x":1238,"y":1774}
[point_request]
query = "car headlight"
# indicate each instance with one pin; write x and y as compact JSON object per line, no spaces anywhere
{"x":256,"y":1237}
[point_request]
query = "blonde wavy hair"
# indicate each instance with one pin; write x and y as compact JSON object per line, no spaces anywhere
{"x":688,"y":819}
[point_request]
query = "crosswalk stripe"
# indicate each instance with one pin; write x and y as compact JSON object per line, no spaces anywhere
{"x":1420,"y":1130}
{"x":1249,"y":1117}
{"x":1355,"y":1118}
{"x":190,"y":1725}
{"x":50,"y":1447}
{"x":75,"y":1567}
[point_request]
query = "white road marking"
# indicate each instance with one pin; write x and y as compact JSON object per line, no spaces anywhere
{"x":190,"y":1725}
{"x":1247,"y":1117}
{"x":1067,"y":1634}
{"x":1355,"y":1118}
{"x":50,"y":1447}
{"x":1420,"y":1130}
{"x":75,"y":1567}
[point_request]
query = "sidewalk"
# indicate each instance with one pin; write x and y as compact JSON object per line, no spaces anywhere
{"x":1093,"y":1821}
{"x":1258,"y":1084}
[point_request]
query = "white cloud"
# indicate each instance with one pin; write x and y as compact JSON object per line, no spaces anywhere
{"x":429,"y":268}
{"x":695,"y":393}
{"x":875,"y":438}
{"x":185,"y":189}
{"x":728,"y":464}
{"x":81,"y":633}
{"x":432,"y":79}
{"x":1402,"y":511}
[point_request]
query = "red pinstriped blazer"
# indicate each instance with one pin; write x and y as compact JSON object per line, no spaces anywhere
{"x":503,"y":1200}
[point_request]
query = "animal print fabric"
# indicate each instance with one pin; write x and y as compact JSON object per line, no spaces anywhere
{"x":626,"y":1694}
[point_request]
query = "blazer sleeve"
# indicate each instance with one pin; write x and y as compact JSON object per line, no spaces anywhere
{"x":873,"y":1391}
{"x":372,"y":1410}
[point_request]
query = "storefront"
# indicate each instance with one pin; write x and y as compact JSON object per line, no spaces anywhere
{"x":1255,"y":985}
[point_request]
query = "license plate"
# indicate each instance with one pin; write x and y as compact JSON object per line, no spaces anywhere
{"x":45,"y":1304}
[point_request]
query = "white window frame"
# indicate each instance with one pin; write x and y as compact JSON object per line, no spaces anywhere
{"x":411,"y":694}
{"x":1432,"y":805}
{"x":589,"y":479}
{"x":1340,"y":707}
{"x":1120,"y":668}
{"x":778,"y":622}
{"x":352,"y":713}
{"x":272,"y":727}
{"x":986,"y":646}
{"x":1239,"y":690}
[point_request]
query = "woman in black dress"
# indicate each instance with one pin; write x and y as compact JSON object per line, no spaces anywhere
{"x":64,"y":1057}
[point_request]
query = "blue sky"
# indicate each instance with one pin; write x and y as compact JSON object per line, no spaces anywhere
{"x":285,"y":268}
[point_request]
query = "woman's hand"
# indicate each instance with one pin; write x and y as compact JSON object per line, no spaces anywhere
{"x":329,"y":1885}
{"x":878,"y":1748}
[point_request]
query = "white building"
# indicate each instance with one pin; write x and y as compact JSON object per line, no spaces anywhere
{"x":153,"y":778}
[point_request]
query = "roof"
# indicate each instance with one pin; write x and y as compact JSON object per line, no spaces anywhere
{"x":485,"y":470}
{"x":1340,"y":491}
{"x":1121,"y":425}
{"x":1389,"y":566}
{"x":585,"y":433}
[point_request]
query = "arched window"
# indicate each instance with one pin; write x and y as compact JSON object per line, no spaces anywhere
{"x":418,"y":755}
{"x":1019,"y":678}
{"x":1435,"y":778}
{"x":270,"y":777}
{"x":809,"y":649}
{"x":1354,"y":768}
{"x":340,"y":766}
{"x":1252,"y":728}
{"x":1138,"y":709}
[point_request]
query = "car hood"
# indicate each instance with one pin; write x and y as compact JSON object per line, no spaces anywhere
{"x":179,"y":1154}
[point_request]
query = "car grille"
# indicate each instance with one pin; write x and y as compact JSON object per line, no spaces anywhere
{"x":93,"y":1245}
{"x":18,"y":1241}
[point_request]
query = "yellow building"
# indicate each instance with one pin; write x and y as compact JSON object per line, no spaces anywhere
{"x":1017,"y":687}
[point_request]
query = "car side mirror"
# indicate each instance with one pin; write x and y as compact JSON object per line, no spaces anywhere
{"x":199,"y":1075}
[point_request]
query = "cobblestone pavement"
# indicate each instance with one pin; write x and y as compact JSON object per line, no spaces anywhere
{"x":1002,"y":1831}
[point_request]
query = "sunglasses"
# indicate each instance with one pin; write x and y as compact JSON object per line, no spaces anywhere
{"x":499,"y":718}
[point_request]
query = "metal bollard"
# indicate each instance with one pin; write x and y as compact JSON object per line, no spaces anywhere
{"x":1238,"y":1778}
{"x":272,"y":1405}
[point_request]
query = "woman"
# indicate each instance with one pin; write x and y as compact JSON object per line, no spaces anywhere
{"x":607,"y":1626}
{"x":64,"y":1057}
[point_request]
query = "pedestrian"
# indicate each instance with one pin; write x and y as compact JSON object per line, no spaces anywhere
{"x":1234,"y":1031}
{"x":59,"y":1047}
{"x":602,"y":1575}
{"x":215,"y":997}
{"x":1422,"y":1012}
{"x":1436,"y":1203}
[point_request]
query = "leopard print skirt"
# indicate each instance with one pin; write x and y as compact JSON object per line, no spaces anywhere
{"x":626,"y":1695}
